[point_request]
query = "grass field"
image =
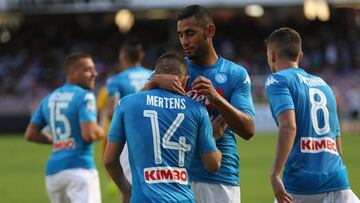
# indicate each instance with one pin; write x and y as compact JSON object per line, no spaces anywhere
{"x":23,"y":164}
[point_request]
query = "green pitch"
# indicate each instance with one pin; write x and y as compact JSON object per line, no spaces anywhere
{"x":23,"y":164}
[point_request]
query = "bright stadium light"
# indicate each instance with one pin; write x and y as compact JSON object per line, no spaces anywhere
{"x":310,"y":9}
{"x":316,"y":8}
{"x":323,"y":11}
{"x":254,"y":10}
{"x":124,"y":19}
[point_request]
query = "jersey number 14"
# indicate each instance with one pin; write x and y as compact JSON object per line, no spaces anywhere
{"x":166,"y":143}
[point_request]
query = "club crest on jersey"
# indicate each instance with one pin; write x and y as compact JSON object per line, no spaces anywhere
{"x":317,"y":145}
{"x":221,"y":78}
{"x":165,"y":175}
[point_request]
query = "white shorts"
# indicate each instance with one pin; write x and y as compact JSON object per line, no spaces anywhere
{"x":343,"y":196}
{"x":124,"y":161}
{"x":215,"y":193}
{"x":74,"y":186}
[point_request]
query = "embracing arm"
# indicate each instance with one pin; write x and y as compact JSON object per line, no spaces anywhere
{"x":165,"y":81}
{"x":240,"y":122}
{"x":33,"y":134}
{"x":287,"y":133}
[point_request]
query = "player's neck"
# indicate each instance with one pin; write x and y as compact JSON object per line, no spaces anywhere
{"x":286,"y":65}
{"x":208,"y":58}
{"x":129,"y":65}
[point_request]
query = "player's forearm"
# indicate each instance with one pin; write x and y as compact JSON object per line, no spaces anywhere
{"x":241,"y":123}
{"x":33,"y":134}
{"x":117,"y":175}
{"x":98,"y":133}
{"x":286,"y":139}
{"x":40,"y":138}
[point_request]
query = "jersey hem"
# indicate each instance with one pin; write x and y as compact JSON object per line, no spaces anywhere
{"x":318,"y":192}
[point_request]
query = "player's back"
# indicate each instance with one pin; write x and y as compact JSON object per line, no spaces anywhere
{"x":63,"y":110}
{"x":314,"y":164}
{"x":162,"y":130}
{"x":128,"y":81}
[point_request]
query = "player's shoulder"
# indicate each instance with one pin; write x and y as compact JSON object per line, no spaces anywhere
{"x":275,"y":79}
{"x":144,"y":69}
{"x":231,"y":65}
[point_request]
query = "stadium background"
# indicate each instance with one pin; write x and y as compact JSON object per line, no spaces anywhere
{"x":35,"y":35}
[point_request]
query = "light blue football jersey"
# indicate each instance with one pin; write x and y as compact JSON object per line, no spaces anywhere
{"x":63,"y":110}
{"x":233,"y":83}
{"x":163,"y":131}
{"x":128,"y":81}
{"x":314,"y":165}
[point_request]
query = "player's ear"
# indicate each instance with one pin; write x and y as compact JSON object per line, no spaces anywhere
{"x":301,"y":56}
{"x":271,"y":54}
{"x":210,"y":30}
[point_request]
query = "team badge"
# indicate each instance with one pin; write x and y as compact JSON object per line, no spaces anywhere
{"x":220,"y":78}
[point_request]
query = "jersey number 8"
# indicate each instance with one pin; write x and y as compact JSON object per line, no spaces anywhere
{"x":319,"y":105}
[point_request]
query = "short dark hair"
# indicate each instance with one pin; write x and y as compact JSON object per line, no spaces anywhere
{"x":132,"y":48}
{"x":73,"y":58}
{"x":286,"y":41}
{"x":171,"y":63}
{"x":201,"y":14}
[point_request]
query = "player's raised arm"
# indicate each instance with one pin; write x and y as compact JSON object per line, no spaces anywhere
{"x":33,"y":134}
{"x":238,"y":121}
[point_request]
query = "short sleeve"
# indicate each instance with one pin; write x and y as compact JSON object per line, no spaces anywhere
{"x":38,"y":116}
{"x":117,"y":131}
{"x":87,"y":108}
{"x":278,"y":95}
{"x":113,"y":90}
{"x":241,"y":96}
{"x":206,"y":142}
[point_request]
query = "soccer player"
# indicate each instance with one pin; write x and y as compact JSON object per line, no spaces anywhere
{"x":304,"y":108}
{"x":163,"y":130}
{"x":131,"y":79}
{"x":70,"y":113}
{"x":224,"y":88}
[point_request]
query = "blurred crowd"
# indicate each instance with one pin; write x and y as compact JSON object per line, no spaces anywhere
{"x":31,"y":62}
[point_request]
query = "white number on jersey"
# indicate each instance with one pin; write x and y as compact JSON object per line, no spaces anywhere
{"x":316,"y":106}
{"x":166,"y":143}
{"x":57,"y":116}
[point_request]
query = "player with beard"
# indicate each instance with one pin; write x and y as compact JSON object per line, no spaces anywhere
{"x":225,"y":89}
{"x":70,"y":113}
